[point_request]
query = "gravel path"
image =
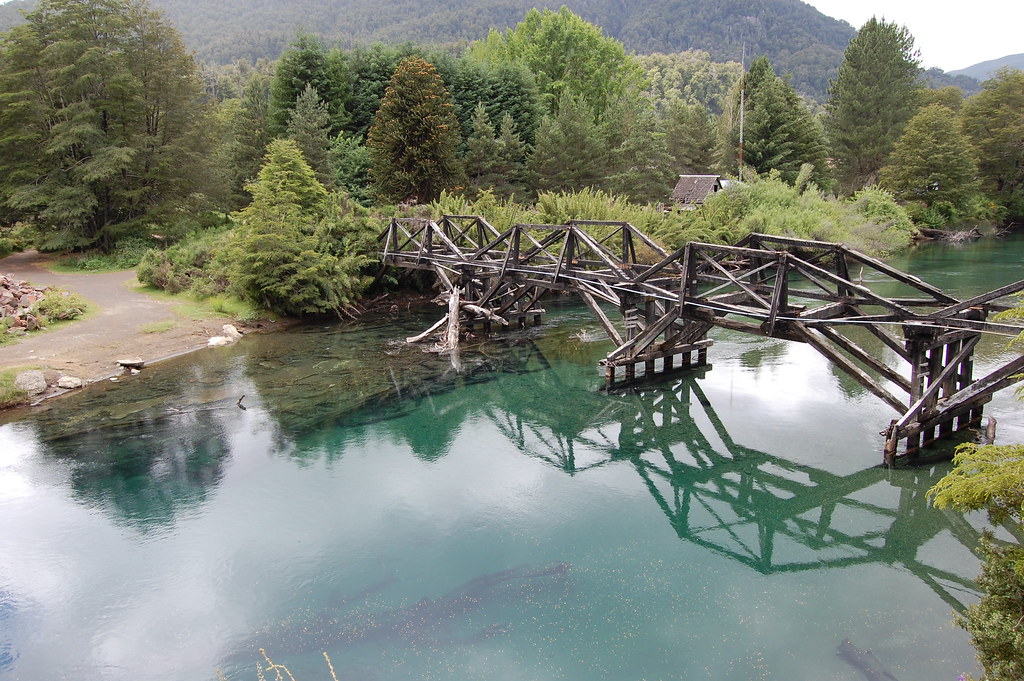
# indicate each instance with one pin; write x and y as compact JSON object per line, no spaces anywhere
{"x":113,"y":329}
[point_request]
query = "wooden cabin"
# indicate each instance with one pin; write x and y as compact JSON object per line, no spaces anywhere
{"x":692,"y":190}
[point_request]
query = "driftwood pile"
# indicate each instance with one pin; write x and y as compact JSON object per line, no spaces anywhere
{"x":16,"y":301}
{"x":449,"y":327}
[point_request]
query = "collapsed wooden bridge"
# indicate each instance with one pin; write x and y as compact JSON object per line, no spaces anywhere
{"x":813,"y":292}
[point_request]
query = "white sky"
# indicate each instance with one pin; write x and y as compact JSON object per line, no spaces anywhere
{"x":950,"y":35}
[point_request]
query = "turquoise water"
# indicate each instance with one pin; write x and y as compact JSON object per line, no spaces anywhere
{"x":512,"y":521}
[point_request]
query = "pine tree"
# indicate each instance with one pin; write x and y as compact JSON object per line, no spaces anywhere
{"x":307,"y":63}
{"x":415,"y":138}
{"x":309,"y":127}
{"x":691,"y":138}
{"x":870,"y":101}
{"x":513,"y":152}
{"x":483,"y":152}
{"x":640,"y":165}
{"x":780,"y":133}
{"x":291,"y":252}
{"x":932,"y":162}
{"x":571,"y":153}
{"x":350,"y":162}
{"x":250,"y":133}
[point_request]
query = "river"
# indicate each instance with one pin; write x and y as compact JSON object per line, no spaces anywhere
{"x":512,"y":521}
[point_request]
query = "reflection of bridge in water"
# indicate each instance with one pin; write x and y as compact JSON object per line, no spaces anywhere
{"x":761,"y":510}
{"x":780,"y":287}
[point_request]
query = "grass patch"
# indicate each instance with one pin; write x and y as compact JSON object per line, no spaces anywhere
{"x":10,"y":395}
{"x":159,"y":327}
{"x":125,"y":255}
{"x":198,"y":309}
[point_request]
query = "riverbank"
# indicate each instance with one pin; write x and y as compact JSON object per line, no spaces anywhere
{"x":122,"y":322}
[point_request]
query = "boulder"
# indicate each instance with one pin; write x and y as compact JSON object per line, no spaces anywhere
{"x":70,"y":382}
{"x":132,"y":362}
{"x":33,"y":382}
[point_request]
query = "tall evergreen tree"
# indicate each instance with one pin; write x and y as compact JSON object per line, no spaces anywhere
{"x":415,"y":138}
{"x":870,"y":101}
{"x":350,"y":162}
{"x":250,"y":133}
{"x":102,"y":120}
{"x":691,"y":138}
{"x":513,"y":152}
{"x":932,"y":162}
{"x":307,"y":63}
{"x":640,"y":165}
{"x":309,"y":126}
{"x":780,"y":133}
{"x":483,"y":152}
{"x":571,"y":152}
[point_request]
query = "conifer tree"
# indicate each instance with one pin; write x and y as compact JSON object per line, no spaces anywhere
{"x":780,"y":133}
{"x":483,"y":152}
{"x":932,"y":162}
{"x":570,"y":153}
{"x":691,"y":138}
{"x":309,"y":127}
{"x":250,"y":133}
{"x":350,"y":162}
{"x":415,"y":138}
{"x":290,"y":253}
{"x":513,"y":152}
{"x":870,"y":101}
{"x":306,"y":63}
{"x":640,"y":165}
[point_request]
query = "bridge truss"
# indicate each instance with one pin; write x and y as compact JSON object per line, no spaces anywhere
{"x":904,"y":340}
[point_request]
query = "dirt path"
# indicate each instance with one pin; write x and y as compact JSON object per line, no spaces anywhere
{"x":89,"y":348}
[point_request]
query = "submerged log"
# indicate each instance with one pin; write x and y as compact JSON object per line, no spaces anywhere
{"x":450,"y":340}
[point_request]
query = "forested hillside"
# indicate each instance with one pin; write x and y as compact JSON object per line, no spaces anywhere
{"x":987,"y":69}
{"x":797,"y":39}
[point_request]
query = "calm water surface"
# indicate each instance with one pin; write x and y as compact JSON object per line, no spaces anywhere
{"x":511,"y":521}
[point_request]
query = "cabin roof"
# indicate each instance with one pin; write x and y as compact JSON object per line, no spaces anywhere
{"x":695,"y":188}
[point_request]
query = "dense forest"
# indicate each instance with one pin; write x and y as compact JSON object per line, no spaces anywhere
{"x":799,"y":40}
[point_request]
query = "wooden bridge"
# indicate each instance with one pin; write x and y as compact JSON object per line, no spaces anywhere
{"x":808,"y":291}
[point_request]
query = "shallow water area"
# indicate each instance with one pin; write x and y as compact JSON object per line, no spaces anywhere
{"x":509,"y":519}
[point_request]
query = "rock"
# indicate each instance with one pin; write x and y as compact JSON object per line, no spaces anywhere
{"x":132,"y":363}
{"x":217,"y":341}
{"x":70,"y":382}
{"x":33,"y":382}
{"x":231,"y":332}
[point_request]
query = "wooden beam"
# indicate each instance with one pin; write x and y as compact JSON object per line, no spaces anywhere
{"x":935,"y":383}
{"x":602,"y":318}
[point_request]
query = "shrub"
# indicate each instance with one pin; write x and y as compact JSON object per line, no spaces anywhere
{"x":194,"y":264}
{"x":58,"y":304}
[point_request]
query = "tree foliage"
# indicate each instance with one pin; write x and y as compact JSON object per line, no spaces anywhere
{"x":296,"y":249}
{"x":102,"y":122}
{"x":871,"y":100}
{"x":568,"y":56}
{"x":994,"y":122}
{"x":780,"y":133}
{"x":415,"y":138}
{"x":307,"y":64}
{"x":932,"y":162}
{"x":571,"y":152}
{"x":309,"y":125}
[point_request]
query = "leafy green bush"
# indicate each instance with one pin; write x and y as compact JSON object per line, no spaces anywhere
{"x":124,"y":255}
{"x":58,"y":304}
{"x":769,"y":205}
{"x":194,"y":264}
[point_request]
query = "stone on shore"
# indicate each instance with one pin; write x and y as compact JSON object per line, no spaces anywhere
{"x":132,"y":363}
{"x":33,"y":382}
{"x":70,"y":382}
